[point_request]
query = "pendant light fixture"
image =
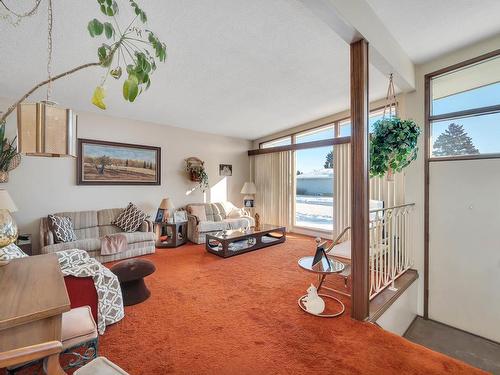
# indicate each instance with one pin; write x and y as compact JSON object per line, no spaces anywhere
{"x":43,"y":128}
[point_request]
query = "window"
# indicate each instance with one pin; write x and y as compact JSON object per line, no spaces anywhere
{"x":465,"y":111}
{"x":314,"y":188}
{"x":285,"y":141}
{"x":318,"y":134}
{"x":345,"y":125}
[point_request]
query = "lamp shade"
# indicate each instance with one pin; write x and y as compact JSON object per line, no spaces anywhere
{"x":6,"y":202}
{"x":166,"y":204}
{"x":249,"y":188}
{"x":46,"y":130}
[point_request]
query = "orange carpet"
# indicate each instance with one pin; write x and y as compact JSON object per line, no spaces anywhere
{"x":209,"y":315}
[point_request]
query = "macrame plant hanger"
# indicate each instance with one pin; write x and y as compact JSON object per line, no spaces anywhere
{"x":390,"y":110}
{"x":391,"y":103}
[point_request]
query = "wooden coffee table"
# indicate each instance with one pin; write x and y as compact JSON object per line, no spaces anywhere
{"x":233,"y":242}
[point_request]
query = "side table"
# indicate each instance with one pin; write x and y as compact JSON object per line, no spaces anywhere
{"x":170,"y":234}
{"x":24,"y":243}
{"x":322,"y":272}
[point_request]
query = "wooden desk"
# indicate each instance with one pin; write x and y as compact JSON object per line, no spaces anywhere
{"x":32,"y":299}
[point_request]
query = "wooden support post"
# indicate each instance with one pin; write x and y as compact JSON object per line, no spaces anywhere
{"x":360,"y":180}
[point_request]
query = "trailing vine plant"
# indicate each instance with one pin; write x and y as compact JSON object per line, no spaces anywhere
{"x":133,"y":50}
{"x":393,"y":145}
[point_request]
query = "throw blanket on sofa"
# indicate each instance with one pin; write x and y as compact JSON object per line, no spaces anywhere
{"x":110,"y":304}
{"x":113,"y":244}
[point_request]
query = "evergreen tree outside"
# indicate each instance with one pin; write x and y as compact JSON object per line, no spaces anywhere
{"x":329,"y":161}
{"x":454,"y":141}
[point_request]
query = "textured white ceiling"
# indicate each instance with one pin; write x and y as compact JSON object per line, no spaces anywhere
{"x":235,"y":67}
{"x":427,"y":29}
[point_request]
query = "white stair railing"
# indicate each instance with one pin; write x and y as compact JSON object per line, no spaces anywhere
{"x":391,"y":245}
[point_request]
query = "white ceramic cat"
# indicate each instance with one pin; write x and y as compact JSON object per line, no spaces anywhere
{"x":313,"y":302}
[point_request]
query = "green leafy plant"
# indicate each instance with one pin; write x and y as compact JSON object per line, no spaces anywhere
{"x":393,"y":145}
{"x":8,"y":150}
{"x":197,"y":173}
{"x":133,"y":49}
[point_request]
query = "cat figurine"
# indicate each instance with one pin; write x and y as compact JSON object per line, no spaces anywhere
{"x":313,"y":302}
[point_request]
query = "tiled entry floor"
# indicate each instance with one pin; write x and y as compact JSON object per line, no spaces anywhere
{"x":464,"y":346}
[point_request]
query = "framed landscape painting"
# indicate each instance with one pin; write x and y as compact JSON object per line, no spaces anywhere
{"x":111,"y":163}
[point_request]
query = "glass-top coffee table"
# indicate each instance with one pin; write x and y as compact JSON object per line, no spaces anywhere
{"x":322,"y":269}
{"x":233,"y":242}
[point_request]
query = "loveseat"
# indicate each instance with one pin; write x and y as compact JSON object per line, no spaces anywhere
{"x":204,"y":218}
{"x":90,"y":227}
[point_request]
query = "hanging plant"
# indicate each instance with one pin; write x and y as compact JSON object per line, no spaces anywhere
{"x":129,"y":52}
{"x":197,"y":173}
{"x":393,"y":145}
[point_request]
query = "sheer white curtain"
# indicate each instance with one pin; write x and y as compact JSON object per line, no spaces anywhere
{"x":274,"y":183}
{"x":342,"y":187}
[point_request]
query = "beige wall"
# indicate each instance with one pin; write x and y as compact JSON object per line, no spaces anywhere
{"x":445,"y":180}
{"x":45,"y":185}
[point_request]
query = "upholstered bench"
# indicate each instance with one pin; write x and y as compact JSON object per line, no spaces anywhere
{"x":78,"y":333}
{"x":100,"y":366}
{"x":131,"y":274}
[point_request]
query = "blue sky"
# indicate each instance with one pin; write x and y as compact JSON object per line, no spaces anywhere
{"x":119,"y":152}
{"x":484,"y":130}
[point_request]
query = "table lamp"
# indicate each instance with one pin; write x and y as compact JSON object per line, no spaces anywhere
{"x":8,"y":227}
{"x":249,"y":190}
{"x":168,"y":208}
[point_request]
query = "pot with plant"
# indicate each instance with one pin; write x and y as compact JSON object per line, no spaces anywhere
{"x":393,"y":146}
{"x":9,"y":157}
{"x":393,"y":143}
{"x":197,"y":173}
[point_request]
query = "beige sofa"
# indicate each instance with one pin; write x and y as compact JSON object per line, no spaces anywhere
{"x":90,"y":226}
{"x":219,"y":216}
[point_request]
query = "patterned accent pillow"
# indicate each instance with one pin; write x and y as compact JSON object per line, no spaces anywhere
{"x":11,"y":251}
{"x":62,"y":227}
{"x":130,"y":219}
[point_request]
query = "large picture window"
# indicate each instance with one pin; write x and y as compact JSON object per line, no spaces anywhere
{"x":464,"y":115}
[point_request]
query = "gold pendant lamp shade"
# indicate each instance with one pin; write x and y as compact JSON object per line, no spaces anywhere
{"x":46,"y":130}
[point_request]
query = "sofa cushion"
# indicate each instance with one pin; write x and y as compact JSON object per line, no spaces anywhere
{"x":215,"y":212}
{"x":130,"y":219}
{"x":62,"y":228}
{"x":212,"y":226}
{"x":198,"y":211}
{"x":78,"y":326}
{"x":108,"y":215}
{"x":136,"y":237}
{"x":107,"y":230}
{"x":88,"y":244}
{"x":84,"y":233}
{"x":81,"y":219}
{"x":239,"y":223}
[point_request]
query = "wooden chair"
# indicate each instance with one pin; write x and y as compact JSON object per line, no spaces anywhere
{"x":49,"y":352}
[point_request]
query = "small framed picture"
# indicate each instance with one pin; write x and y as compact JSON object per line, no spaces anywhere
{"x":248,"y":203}
{"x":159,"y":215}
{"x":225,"y":170}
{"x":180,"y":216}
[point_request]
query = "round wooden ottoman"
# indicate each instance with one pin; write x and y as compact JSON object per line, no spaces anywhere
{"x":131,"y":274}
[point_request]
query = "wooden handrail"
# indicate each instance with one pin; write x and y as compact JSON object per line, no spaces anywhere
{"x":49,"y":350}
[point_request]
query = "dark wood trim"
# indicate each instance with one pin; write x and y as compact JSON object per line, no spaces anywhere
{"x":463,"y":64}
{"x":387,"y":297}
{"x":301,"y":146}
{"x":427,"y":108}
{"x":465,"y":113}
{"x":360,"y":308}
{"x":79,"y":163}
